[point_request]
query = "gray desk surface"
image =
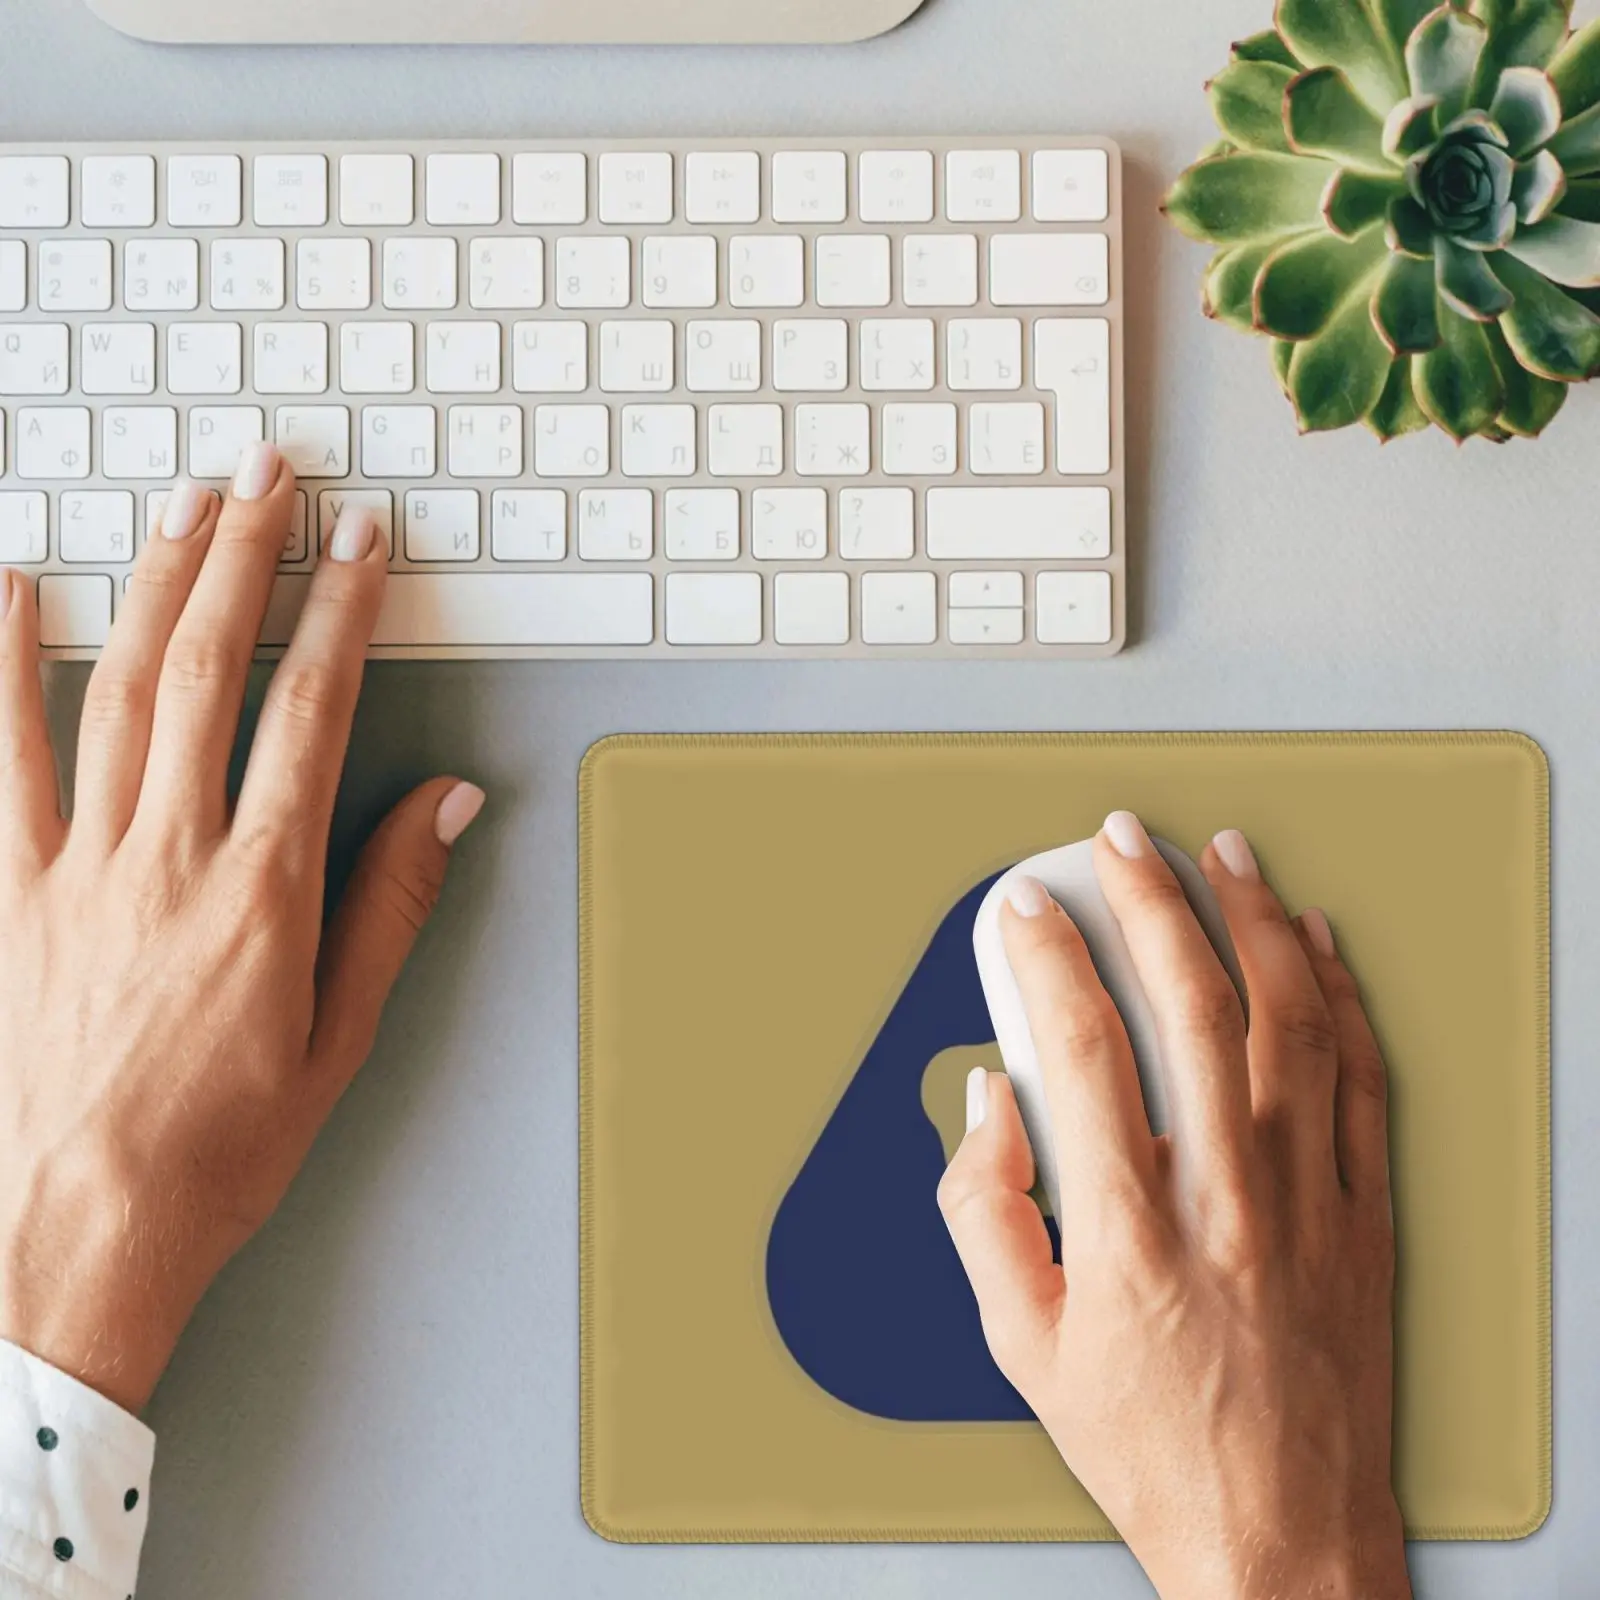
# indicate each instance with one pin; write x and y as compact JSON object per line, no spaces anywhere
{"x":380,"y":1397}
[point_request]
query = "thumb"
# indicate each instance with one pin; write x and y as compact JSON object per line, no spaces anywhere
{"x":391,"y":894}
{"x":998,"y":1230}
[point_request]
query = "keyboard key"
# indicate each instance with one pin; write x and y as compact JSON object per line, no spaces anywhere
{"x":789,"y":524}
{"x":528,"y":525}
{"x":1072,"y":359}
{"x":377,"y":191}
{"x":919,"y":440}
{"x":616,"y":525}
{"x":983,"y":353}
{"x":550,"y":357}
{"x":852,"y":269}
{"x":745,"y":441}
{"x":52,"y":442}
{"x":1006,"y":440}
{"x":139,"y":442}
{"x":680,"y":270}
{"x":331,"y":504}
{"x":13,"y":275}
{"x":658,"y":441}
{"x":636,"y":187}
{"x":75,"y":275}
{"x":314,"y":440}
{"x":723,"y":357}
{"x":34,"y":357}
{"x":205,"y":358}
{"x":34,"y":191}
{"x":506,"y":274}
{"x":442,"y":524}
{"x":399,"y":441}
{"x":247,"y":275}
{"x":463,"y":357}
{"x":204,"y":191}
{"x":811,"y":608}
{"x":117,"y":358}
{"x":463,"y":189}
{"x":377,"y":357}
{"x":74,"y":610}
{"x":766,"y":270}
{"x":290,"y":191}
{"x":895,"y":186}
{"x":24,"y":525}
{"x":161,"y":275}
{"x":571,"y":441}
{"x":832,"y":441}
{"x":876,"y":525}
{"x":117,"y":191}
{"x":549,"y":189}
{"x":983,"y":186}
{"x":985,"y":589}
{"x":636,"y":357}
{"x":1070,"y":185}
{"x":484,"y":441}
{"x":809,"y":186}
{"x":1049,"y":269}
{"x":898,"y":608}
{"x":709,"y":608}
{"x":1073,"y":608}
{"x":217,"y":436}
{"x":333,"y":274}
{"x":939,"y":269}
{"x":290,"y":358}
{"x":896,"y":353}
{"x":722,"y":186}
{"x":419,"y":274}
{"x":702,"y":524}
{"x":810,"y":353}
{"x":512,"y":608}
{"x":979,"y":626}
{"x":593,"y":272}
{"x":97,"y":525}
{"x":1022,"y":523}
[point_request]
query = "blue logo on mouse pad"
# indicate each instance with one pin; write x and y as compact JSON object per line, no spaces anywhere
{"x":865,"y":1286}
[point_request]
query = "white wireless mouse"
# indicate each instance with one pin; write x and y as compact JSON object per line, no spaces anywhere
{"x":1068,"y":873}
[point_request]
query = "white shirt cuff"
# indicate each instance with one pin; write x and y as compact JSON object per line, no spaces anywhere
{"x":74,"y":1486}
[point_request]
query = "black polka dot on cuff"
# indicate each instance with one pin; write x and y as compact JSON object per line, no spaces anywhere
{"x":130,"y":1500}
{"x":63,"y":1549}
{"x":48,"y":1438}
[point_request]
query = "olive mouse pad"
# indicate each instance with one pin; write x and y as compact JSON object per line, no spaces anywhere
{"x":779,"y":1005}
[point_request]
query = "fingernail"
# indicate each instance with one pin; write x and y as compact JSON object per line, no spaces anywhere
{"x":8,"y":587}
{"x":257,"y":471}
{"x":977,"y":1097}
{"x":1028,"y":897}
{"x":184,"y":511}
{"x":456,"y":811}
{"x":1234,"y":851}
{"x":1127,"y":835}
{"x":352,"y":535}
{"x":1317,"y":930}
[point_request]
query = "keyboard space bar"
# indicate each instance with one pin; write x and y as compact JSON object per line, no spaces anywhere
{"x":493,"y":608}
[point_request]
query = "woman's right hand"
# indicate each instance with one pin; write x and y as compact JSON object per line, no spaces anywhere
{"x":1214,"y":1355}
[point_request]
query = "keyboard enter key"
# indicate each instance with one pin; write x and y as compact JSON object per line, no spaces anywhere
{"x":1019,"y":523}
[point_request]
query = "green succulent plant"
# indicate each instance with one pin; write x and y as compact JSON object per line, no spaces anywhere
{"x":1406,"y":201}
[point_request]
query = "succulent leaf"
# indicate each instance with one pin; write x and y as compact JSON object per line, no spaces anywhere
{"x":1577,"y":145}
{"x":1233,"y":198}
{"x":1336,"y":378}
{"x":1282,"y":355}
{"x":1531,"y":401}
{"x":1575,"y":70}
{"x":1305,"y":281}
{"x":1457,"y":383}
{"x":1346,"y":36}
{"x":1564,"y":249}
{"x":1536,"y":188}
{"x":1442,"y":57}
{"x":1549,"y":332}
{"x":1247,"y":102}
{"x":1466,"y":281}
{"x":1400,"y":18}
{"x":1397,"y":411}
{"x":1405,"y":305}
{"x":1266,"y":46}
{"x":1524,"y":34}
{"x":1410,"y":127}
{"x":1464,"y":184}
{"x":1406,"y":229}
{"x":1228,"y":292}
{"x":1324,"y":116}
{"x":1353,"y":201}
{"x":1581,"y":200}
{"x":1526,"y":109}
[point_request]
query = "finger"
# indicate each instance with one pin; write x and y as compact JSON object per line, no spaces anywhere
{"x":201,"y":687}
{"x":999,"y":1232}
{"x":1097,"y":1116}
{"x":1361,"y":1101}
{"x":30,"y":801}
{"x":1292,"y":1048}
{"x":1199,"y":1021}
{"x":389,"y":898}
{"x":295,"y":763}
{"x":118,"y":707}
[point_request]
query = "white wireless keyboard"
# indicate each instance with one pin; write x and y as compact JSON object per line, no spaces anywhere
{"x":767,"y":398}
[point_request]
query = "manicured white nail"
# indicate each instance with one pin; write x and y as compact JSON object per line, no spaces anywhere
{"x":353,"y":534}
{"x":8,"y":588}
{"x":1318,"y":932}
{"x":977,"y":1097}
{"x":456,"y":812}
{"x":1028,"y":897}
{"x":1234,"y":852}
{"x":257,"y":471}
{"x":1127,"y":835}
{"x":185,"y":510}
